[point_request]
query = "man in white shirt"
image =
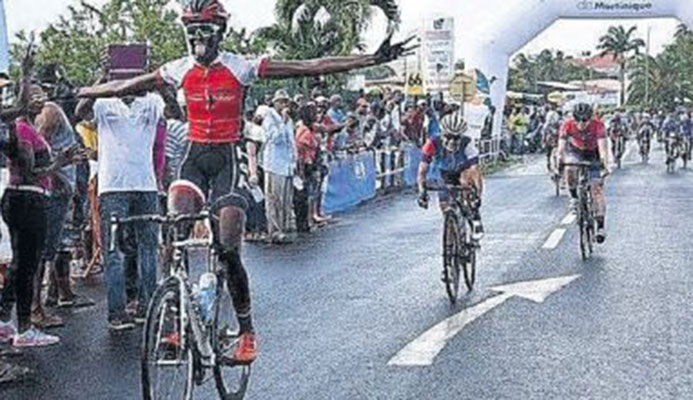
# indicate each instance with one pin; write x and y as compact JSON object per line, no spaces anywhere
{"x":279,"y":161}
{"x":127,"y":187}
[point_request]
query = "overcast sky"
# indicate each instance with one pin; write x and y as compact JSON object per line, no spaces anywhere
{"x":572,"y":36}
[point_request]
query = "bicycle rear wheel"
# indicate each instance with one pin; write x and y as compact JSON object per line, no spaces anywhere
{"x":231,"y":379}
{"x":167,"y":351}
{"x":451,"y":258}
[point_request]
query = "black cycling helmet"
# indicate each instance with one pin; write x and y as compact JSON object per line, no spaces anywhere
{"x":583,"y":112}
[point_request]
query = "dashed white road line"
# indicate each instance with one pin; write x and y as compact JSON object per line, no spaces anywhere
{"x":553,"y":240}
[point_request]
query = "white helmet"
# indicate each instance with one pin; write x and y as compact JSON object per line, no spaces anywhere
{"x":454,"y":124}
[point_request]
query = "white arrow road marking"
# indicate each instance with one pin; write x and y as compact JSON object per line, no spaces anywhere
{"x":423,"y":350}
{"x":553,"y":240}
{"x":569,"y":219}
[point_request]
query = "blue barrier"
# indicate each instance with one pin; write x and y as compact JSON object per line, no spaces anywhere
{"x":351,"y":181}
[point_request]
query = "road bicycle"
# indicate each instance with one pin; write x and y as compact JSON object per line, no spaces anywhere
{"x":459,"y":249}
{"x":620,"y":149}
{"x":685,"y":151}
{"x":673,"y":152}
{"x":188,"y":335}
{"x":644,"y":143}
{"x":586,"y":221}
{"x":555,"y":171}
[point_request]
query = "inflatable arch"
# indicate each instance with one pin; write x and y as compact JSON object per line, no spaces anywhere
{"x":499,"y":28}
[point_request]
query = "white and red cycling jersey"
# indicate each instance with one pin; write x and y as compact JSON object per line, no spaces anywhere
{"x":214,"y":95}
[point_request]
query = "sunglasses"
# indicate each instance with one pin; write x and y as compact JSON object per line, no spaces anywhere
{"x":202,"y":31}
{"x":452,"y":138}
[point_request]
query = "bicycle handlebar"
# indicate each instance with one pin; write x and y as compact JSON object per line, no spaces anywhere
{"x":115,"y":222}
{"x":441,"y":187}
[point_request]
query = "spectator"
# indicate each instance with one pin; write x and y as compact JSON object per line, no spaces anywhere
{"x":279,"y":160}
{"x":361,"y":111}
{"x":326,"y":126}
{"x":487,"y":130}
{"x":254,"y":137}
{"x":56,"y":129}
{"x":350,"y":138}
{"x":372,"y":133}
{"x":336,"y":112}
{"x":176,"y":145}
{"x":387,"y":125}
{"x":413,"y":123}
{"x":396,"y":114}
{"x":24,"y":212}
{"x":308,"y":146}
{"x":327,"y":129}
{"x":127,"y":186}
{"x":431,"y":123}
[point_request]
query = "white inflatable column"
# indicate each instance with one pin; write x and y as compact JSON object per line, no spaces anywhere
{"x":494,"y":65}
{"x":4,"y":42}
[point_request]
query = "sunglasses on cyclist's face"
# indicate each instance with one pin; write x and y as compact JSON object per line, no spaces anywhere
{"x":202,"y":31}
{"x":451,"y":138}
{"x":582,"y":120}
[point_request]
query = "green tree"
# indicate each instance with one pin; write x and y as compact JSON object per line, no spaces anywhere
{"x":620,"y":44}
{"x":308,"y":29}
{"x":657,"y":81}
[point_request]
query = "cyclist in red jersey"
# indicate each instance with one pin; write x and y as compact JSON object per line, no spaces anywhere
{"x":214,"y":83}
{"x":583,"y":139}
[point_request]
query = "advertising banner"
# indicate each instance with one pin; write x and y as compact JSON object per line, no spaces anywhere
{"x":438,"y":53}
{"x":351,"y":181}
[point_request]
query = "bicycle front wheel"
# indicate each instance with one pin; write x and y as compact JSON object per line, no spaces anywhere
{"x":167,"y":357}
{"x":451,"y":256}
{"x":470,"y":266}
{"x":231,"y":379}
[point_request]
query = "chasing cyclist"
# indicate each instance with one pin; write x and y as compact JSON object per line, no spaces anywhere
{"x":672,"y":130}
{"x":458,"y":160}
{"x":214,"y":83}
{"x":618,"y":129}
{"x":583,"y":139}
{"x":551,"y":128}
{"x":645,"y":133}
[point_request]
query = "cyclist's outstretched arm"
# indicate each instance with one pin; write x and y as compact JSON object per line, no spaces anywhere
{"x":325,"y":66}
{"x":120,"y":88}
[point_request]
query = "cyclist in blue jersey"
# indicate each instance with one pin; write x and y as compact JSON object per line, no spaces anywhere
{"x":457,"y":158}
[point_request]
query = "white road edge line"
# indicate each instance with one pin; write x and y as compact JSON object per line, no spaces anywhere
{"x":553,"y":240}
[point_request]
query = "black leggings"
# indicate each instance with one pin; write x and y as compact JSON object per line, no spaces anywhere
{"x":213,"y":168}
{"x":25,"y":216}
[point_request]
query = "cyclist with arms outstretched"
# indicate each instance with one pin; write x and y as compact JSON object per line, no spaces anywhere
{"x":214,"y":83}
{"x":458,"y":160}
{"x":583,"y":139}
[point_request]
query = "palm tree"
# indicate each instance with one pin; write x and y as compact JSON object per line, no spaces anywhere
{"x":660,"y":79}
{"x":682,"y":32}
{"x":321,"y":28}
{"x":619,"y":43}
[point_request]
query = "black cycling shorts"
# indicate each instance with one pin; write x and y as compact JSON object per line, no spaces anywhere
{"x":214,"y":169}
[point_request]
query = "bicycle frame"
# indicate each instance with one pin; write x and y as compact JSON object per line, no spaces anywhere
{"x":179,"y":273}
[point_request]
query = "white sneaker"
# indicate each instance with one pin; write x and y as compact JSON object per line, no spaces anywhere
{"x":34,"y":338}
{"x":7,"y":331}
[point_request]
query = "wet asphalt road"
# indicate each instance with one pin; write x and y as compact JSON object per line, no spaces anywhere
{"x":334,"y":309}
